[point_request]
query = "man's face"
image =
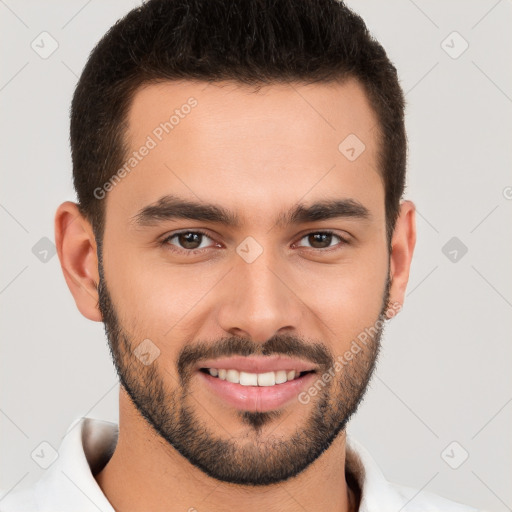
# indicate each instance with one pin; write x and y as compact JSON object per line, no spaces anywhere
{"x":258,"y":288}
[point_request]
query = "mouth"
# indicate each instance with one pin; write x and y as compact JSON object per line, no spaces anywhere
{"x":267,"y":379}
{"x":258,"y":392}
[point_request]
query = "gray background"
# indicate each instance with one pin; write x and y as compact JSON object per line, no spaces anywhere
{"x":444,"y":374}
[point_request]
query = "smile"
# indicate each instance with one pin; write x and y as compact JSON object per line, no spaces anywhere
{"x":255,"y":379}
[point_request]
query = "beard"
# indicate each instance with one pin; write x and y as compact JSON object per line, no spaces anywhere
{"x":166,"y":403}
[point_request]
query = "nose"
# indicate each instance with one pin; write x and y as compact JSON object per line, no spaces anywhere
{"x":258,"y":300}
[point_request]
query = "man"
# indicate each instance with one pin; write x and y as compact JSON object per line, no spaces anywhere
{"x":240,"y":231}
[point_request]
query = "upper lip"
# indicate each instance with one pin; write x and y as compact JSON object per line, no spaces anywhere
{"x":258,"y":364}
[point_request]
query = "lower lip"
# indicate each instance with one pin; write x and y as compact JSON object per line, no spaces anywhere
{"x":257,"y":398}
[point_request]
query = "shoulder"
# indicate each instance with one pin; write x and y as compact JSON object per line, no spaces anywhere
{"x":69,"y":483}
{"x":416,"y":500}
{"x":21,"y":500}
{"x":378,"y":494}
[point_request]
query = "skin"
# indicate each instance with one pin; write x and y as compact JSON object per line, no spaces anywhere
{"x":237,"y":148}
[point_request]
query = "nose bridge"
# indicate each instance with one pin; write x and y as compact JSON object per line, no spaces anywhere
{"x":259,"y":302}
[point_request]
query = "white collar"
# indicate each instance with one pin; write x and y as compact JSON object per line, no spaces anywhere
{"x":68,"y":484}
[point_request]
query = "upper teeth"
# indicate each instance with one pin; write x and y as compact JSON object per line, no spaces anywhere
{"x":253,"y":379}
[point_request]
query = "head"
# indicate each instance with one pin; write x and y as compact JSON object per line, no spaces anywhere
{"x":239,"y":168}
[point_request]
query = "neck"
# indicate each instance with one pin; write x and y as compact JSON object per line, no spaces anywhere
{"x":146,"y":473}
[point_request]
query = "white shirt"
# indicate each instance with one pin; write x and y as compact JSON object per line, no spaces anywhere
{"x":68,"y":484}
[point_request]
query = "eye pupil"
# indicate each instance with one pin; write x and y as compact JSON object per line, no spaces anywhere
{"x":189,"y":240}
{"x":320,"y":237}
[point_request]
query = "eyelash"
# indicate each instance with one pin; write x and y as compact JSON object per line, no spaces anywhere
{"x":192,"y":252}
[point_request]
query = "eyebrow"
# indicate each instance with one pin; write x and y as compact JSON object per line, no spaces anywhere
{"x":170,"y":207}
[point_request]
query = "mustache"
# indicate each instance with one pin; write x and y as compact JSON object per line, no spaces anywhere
{"x":284,"y":345}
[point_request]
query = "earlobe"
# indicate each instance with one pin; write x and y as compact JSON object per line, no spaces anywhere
{"x":76,"y":247}
{"x":402,"y":248}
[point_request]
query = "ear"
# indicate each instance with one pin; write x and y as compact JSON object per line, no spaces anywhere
{"x":76,"y":247}
{"x":402,"y":248}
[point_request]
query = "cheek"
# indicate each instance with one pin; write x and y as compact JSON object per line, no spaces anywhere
{"x":349,"y":297}
{"x":155,"y":299}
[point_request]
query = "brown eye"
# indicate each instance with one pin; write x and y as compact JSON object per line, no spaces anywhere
{"x":322,"y":240}
{"x":187,"y":240}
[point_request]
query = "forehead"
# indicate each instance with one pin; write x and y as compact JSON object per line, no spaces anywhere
{"x":286,"y":113}
{"x":227,"y":143}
